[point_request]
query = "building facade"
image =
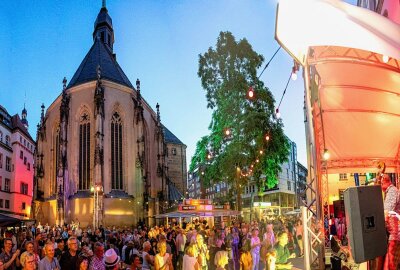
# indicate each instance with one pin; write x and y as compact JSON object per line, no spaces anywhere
{"x":302,"y":174}
{"x":16,"y":164}
{"x":387,"y":8}
{"x":176,"y":160}
{"x":101,"y":155}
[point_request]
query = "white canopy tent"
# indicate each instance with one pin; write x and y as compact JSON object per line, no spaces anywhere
{"x":351,"y":63}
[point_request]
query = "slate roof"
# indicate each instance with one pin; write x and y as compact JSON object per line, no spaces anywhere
{"x":110,"y":70}
{"x":16,"y":123}
{"x":170,"y":137}
{"x":174,"y":193}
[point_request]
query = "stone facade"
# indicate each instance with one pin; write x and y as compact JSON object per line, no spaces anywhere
{"x":101,"y":147}
{"x":176,"y":159}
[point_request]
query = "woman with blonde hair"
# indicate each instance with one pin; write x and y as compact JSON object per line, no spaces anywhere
{"x":221,"y":259}
{"x":28,"y":262}
{"x":163,"y":260}
{"x":246,"y":261}
{"x":189,"y":260}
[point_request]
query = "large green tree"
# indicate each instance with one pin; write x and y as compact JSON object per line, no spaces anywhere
{"x":256,"y":145}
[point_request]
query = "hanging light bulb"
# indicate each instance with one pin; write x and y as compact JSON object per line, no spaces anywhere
{"x":294,"y":76}
{"x":261,"y":151}
{"x":250,"y":92}
{"x":295,"y":68}
{"x":385,"y":58}
{"x":277,"y":113}
{"x":267,"y":139}
{"x":227,"y":132}
{"x":326,"y":154}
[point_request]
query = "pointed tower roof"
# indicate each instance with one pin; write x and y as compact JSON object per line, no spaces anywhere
{"x":101,"y":54}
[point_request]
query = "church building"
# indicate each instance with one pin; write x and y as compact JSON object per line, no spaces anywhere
{"x":102,"y":151}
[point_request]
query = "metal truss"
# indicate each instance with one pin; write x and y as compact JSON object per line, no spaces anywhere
{"x":311,"y":212}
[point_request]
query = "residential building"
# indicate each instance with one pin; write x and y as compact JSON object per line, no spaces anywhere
{"x":16,"y":164}
{"x":195,"y":188}
{"x":302,"y":174}
{"x":102,"y":149}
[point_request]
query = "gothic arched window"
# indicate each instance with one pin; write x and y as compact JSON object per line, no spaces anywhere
{"x":56,"y":159}
{"x":84,"y":152}
{"x":116,"y":152}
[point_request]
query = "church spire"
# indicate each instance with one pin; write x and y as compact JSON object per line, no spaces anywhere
{"x":24,"y":115}
{"x":103,"y":29}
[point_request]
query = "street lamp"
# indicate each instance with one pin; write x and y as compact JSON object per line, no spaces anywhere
{"x":98,"y":188}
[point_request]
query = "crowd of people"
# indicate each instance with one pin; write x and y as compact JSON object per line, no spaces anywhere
{"x":193,"y":245}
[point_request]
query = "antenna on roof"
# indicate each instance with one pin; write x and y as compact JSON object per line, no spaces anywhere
{"x":103,"y":4}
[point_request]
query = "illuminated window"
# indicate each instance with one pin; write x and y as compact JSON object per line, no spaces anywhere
{"x":116,"y":152}
{"x":84,"y":152}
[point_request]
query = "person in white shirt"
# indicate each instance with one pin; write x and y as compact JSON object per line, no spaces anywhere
{"x":180,"y":247}
{"x":189,"y":260}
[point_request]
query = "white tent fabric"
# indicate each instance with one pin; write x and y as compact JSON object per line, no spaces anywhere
{"x":305,"y":23}
{"x":355,"y":93}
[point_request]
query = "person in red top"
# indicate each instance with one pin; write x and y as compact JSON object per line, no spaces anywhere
{"x":391,"y":205}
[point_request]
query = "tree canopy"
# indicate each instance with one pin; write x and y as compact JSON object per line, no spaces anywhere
{"x":246,"y":140}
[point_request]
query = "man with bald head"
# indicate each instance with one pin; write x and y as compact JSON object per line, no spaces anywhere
{"x":49,"y":262}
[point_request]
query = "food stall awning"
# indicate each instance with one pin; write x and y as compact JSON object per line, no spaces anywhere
{"x":213,"y":213}
{"x":351,"y":66}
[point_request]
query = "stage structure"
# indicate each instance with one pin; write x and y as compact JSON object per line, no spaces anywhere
{"x":351,"y":68}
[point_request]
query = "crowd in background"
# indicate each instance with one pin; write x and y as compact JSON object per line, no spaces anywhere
{"x":259,"y":245}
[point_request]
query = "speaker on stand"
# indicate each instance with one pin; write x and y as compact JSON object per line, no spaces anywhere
{"x":365,"y":221}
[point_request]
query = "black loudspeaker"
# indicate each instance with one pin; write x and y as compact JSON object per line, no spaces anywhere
{"x":365,"y":222}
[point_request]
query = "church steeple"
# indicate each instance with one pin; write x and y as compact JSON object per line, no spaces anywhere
{"x":24,"y":115}
{"x":103,"y":29}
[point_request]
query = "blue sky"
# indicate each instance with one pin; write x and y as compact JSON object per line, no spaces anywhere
{"x":155,"y":41}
